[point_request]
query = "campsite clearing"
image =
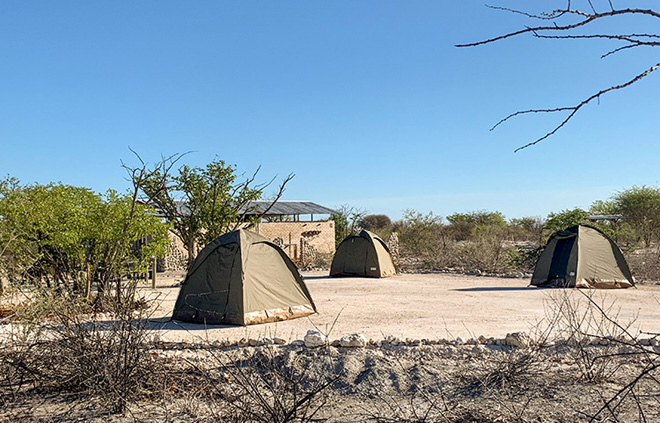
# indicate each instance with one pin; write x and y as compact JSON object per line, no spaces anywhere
{"x":416,"y":306}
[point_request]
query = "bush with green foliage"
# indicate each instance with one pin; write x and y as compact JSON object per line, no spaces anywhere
{"x":68,"y":237}
{"x":564,"y":219}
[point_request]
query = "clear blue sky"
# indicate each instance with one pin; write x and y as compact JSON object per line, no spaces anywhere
{"x":368,"y":102}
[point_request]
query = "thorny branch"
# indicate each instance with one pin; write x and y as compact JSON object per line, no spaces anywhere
{"x":554,"y":22}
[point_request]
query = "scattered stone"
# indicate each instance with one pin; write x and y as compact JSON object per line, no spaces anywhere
{"x":460,"y":340}
{"x":253,"y":342}
{"x":335,"y":343}
{"x":243,"y":342}
{"x":355,"y":340}
{"x":482,"y":340}
{"x":266,"y":341}
{"x":314,"y":339}
{"x":279,"y":341}
{"x":392,"y":340}
{"x":518,"y":340}
{"x":478,"y":350}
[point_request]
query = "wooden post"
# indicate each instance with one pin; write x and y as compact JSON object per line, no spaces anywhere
{"x":153,"y":273}
{"x":88,"y":285}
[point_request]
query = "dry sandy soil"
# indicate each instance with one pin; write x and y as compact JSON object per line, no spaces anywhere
{"x":432,"y":306}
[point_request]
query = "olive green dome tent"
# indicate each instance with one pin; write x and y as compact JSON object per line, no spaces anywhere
{"x":241,"y":278}
{"x":584,"y":257}
{"x":363,"y":255}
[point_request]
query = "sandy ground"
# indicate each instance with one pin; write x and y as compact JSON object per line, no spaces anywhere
{"x":414,"y":306}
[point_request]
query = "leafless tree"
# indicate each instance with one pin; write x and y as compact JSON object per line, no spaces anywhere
{"x":201,"y":203}
{"x":580,"y":20}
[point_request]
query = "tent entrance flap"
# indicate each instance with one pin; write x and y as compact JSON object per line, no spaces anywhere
{"x":560,"y":258}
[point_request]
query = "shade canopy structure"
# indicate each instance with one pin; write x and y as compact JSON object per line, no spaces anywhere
{"x":241,"y":278}
{"x":364,"y":254}
{"x":584,"y":257}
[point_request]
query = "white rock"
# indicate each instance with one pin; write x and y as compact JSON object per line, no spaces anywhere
{"x":460,"y":340}
{"x":314,"y":338}
{"x":354,"y":340}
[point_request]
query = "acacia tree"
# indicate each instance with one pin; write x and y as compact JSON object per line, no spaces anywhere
{"x":531,"y":227}
{"x":464,"y":226}
{"x":580,"y":21}
{"x":347,"y":220}
{"x":640,"y":209}
{"x":201,"y":203}
{"x":565,"y":219}
{"x":375,"y":222}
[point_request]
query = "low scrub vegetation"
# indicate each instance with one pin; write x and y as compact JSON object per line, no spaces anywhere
{"x":582,"y":365}
{"x":485,"y":242}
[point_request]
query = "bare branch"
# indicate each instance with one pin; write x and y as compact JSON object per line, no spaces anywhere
{"x":564,"y":31}
{"x":574,"y":109}
{"x":586,"y":19}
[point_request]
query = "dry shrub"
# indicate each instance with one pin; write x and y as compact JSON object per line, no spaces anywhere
{"x":589,"y":330}
{"x":645,"y":264}
{"x":409,"y":393}
{"x":601,"y":346}
{"x":318,"y":260}
{"x":54,"y":346}
{"x":267,"y":386}
{"x":486,"y":253}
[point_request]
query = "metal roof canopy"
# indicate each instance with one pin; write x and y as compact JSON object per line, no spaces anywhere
{"x":282,"y":208}
{"x":608,"y":217}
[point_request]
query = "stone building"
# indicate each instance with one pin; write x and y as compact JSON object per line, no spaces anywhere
{"x":292,"y":225}
{"x":301,"y":228}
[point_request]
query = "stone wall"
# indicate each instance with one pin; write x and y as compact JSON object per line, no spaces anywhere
{"x":176,"y":258}
{"x":297,"y":237}
{"x":300,"y":240}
